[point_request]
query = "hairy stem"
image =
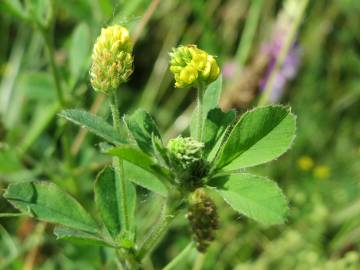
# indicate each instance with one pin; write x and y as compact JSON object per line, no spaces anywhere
{"x":200,"y":116}
{"x":118,"y":167}
{"x":168,"y":214}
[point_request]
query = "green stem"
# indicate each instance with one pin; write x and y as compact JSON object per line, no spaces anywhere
{"x":167,"y":216}
{"x":128,"y":260}
{"x":180,"y":257}
{"x":118,"y":167}
{"x":283,"y":53}
{"x":199,"y":126}
{"x":114,"y":106}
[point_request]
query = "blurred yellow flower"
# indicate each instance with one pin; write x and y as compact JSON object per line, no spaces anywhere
{"x":322,"y":172}
{"x":191,"y":66}
{"x":112,"y":60}
{"x":305,"y":163}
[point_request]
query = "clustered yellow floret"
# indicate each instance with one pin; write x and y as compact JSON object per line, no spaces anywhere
{"x":193,"y":66}
{"x":112,"y":60}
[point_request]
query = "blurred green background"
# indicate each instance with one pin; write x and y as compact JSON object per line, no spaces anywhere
{"x":302,"y":53}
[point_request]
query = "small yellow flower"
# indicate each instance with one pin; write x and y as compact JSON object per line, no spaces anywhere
{"x":305,"y":163}
{"x":322,"y":172}
{"x":191,"y":66}
{"x":112,"y":60}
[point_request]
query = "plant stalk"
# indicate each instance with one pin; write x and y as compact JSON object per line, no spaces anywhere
{"x":200,"y":116}
{"x":168,"y":214}
{"x":118,"y":166}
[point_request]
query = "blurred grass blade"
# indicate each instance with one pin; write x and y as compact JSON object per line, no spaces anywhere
{"x":79,"y":50}
{"x":14,"y":7}
{"x":40,"y":121}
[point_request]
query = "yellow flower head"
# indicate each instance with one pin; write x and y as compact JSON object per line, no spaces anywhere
{"x":305,"y":163}
{"x":112,"y":60}
{"x":322,"y":172}
{"x":191,"y":66}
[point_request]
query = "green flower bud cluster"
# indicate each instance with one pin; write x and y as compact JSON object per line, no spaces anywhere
{"x":192,"y":66}
{"x":185,"y":155}
{"x":185,"y":151}
{"x":203,"y":217}
{"x":112,"y":60}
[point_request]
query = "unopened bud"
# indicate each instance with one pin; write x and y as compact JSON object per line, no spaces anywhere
{"x":185,"y":151}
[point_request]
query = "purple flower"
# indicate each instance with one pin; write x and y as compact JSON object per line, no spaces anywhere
{"x":229,"y":69}
{"x":287,"y":72}
{"x":273,"y":49}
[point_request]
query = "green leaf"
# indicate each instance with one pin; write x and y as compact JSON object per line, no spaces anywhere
{"x":93,"y":123}
{"x":80,"y":237}
{"x":160,"y":152}
{"x":107,"y":200}
{"x":138,"y":158}
{"x":142,"y":127}
{"x":144,"y":179}
{"x":212,"y":96}
{"x":215,"y":125}
{"x":79,"y":49}
{"x":47,"y":202}
{"x":254,"y":196}
{"x":210,"y":101}
{"x":260,"y":135}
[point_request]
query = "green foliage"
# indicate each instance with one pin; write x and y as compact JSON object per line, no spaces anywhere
{"x":47,"y":202}
{"x":108,"y":202}
{"x":37,"y":86}
{"x":254,"y":196}
{"x":260,"y":135}
{"x":138,"y":158}
{"x":216,"y":123}
{"x":143,"y":178}
{"x":142,"y":127}
{"x":14,"y":7}
{"x":80,"y":237}
{"x":322,"y":229}
{"x":93,"y":123}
